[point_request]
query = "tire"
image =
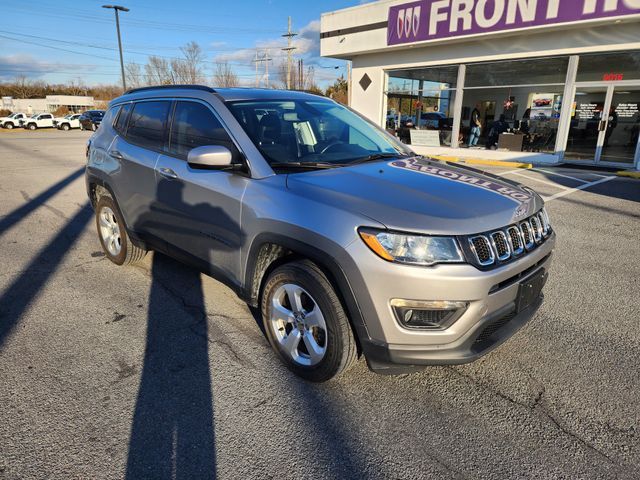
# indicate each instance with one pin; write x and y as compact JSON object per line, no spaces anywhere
{"x":8,"y":126}
{"x":65,"y":127}
{"x":334,"y":346}
{"x":117,"y":246}
{"x":32,"y":126}
{"x":93,"y":127}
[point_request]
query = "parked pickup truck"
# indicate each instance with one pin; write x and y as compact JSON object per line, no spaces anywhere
{"x":67,"y":122}
{"x":12,"y":121}
{"x":38,"y":120}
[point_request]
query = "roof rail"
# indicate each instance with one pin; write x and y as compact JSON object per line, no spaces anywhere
{"x":171,"y":87}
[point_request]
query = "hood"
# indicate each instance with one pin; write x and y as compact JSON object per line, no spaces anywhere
{"x":420,"y":195}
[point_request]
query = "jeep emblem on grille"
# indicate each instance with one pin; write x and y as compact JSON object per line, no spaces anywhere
{"x":521,"y":211}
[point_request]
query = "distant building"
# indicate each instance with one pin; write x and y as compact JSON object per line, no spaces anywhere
{"x":49,"y":104}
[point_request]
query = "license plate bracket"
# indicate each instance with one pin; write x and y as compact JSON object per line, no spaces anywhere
{"x":530,"y":289}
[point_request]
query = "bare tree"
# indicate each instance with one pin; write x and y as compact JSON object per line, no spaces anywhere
{"x":224,"y":76}
{"x":158,"y":71}
{"x":191,"y":66}
{"x":23,"y":87}
{"x":134,"y":76}
{"x":77,"y":87}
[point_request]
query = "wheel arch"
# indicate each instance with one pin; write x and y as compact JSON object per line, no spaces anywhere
{"x":95,"y":185}
{"x":269,"y":251}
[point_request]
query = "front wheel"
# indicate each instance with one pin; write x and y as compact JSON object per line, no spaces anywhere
{"x":305,"y":322}
{"x":65,"y":127}
{"x":32,"y":126}
{"x":115,"y":241}
{"x":8,"y":126}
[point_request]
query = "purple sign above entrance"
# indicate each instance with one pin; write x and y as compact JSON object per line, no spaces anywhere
{"x":437,"y":19}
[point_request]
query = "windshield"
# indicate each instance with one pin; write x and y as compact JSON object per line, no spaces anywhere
{"x":311,"y":131}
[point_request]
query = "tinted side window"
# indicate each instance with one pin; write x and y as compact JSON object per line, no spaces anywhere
{"x":110,"y":116}
{"x":123,"y":118}
{"x":194,"y":125}
{"x":147,"y":124}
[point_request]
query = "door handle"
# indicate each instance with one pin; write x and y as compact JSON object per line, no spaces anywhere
{"x":168,"y":173}
{"x":116,"y":154}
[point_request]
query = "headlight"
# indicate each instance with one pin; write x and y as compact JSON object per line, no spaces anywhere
{"x":410,"y":248}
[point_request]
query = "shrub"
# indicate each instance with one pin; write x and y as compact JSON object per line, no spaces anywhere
{"x":61,"y":111}
{"x":5,"y":113}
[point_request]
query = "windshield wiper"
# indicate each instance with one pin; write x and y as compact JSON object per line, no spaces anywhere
{"x":378,"y":156}
{"x":304,"y":165}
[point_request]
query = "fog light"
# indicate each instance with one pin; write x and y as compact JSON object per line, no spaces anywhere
{"x":429,"y":315}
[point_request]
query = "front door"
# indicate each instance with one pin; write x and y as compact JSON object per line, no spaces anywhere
{"x":199,"y":210}
{"x":605,"y":120}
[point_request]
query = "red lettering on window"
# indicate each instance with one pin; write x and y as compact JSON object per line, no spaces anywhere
{"x":613,"y":77}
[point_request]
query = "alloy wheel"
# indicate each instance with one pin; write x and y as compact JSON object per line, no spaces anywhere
{"x":110,"y":231}
{"x":298,"y":325}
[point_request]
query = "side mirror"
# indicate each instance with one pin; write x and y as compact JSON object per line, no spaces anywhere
{"x":210,"y":156}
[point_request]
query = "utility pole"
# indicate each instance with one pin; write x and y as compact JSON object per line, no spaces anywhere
{"x":256,"y":62}
{"x":266,"y":66}
{"x":117,"y":8}
{"x":266,"y":59}
{"x":289,"y":49}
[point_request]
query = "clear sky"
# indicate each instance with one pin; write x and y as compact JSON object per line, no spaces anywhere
{"x":63,"y":40}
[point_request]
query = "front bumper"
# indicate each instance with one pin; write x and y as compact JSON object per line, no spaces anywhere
{"x":491,"y":297}
{"x":488,"y":334}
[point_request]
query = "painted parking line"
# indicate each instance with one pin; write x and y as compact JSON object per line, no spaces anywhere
{"x":539,"y":180}
{"x":562,"y":175}
{"x":581,"y":187}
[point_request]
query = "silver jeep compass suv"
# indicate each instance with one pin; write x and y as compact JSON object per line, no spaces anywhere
{"x":348,"y":242}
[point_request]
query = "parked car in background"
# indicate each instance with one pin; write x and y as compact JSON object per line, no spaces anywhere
{"x":68,"y":121}
{"x":346,"y":240}
{"x":91,"y":119}
{"x":12,"y":121}
{"x":38,"y":120}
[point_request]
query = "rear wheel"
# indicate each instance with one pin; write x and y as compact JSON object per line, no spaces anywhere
{"x":305,"y":322}
{"x":115,"y":241}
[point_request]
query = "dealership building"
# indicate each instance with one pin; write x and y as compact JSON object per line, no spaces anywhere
{"x":49,"y":104}
{"x":544,"y":80}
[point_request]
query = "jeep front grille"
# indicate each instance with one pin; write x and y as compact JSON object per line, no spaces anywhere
{"x":515,"y":239}
{"x":482,"y":249}
{"x":503,"y":245}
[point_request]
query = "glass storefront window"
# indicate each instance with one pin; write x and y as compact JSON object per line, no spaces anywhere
{"x":608,"y":67}
{"x":513,"y":105}
{"x":516,"y":119}
{"x":421,"y":99}
{"x":537,"y":71}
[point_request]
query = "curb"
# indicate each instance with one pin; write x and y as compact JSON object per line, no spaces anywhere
{"x":480,"y":161}
{"x":629,"y":174}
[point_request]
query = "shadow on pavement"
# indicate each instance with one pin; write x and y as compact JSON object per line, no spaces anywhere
{"x":172,"y":434}
{"x":22,"y":293}
{"x":21,"y":212}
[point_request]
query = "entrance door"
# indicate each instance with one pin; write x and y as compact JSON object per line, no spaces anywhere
{"x":620,"y":143}
{"x":605,"y":119}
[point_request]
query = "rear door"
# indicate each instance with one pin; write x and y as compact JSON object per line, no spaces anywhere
{"x":142,"y":135}
{"x":199,"y":208}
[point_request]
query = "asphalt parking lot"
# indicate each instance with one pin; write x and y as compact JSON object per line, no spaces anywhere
{"x":157,"y":371}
